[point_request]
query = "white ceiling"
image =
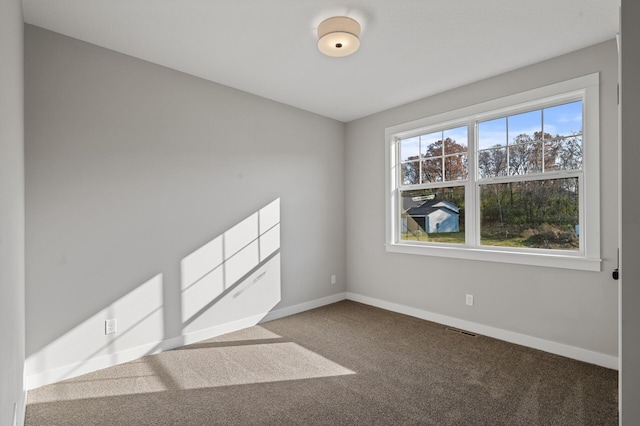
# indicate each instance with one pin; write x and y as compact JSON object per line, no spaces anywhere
{"x":410,"y":48}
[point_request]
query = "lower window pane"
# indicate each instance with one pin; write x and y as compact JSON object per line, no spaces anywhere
{"x":533,"y":214}
{"x":433,"y":215}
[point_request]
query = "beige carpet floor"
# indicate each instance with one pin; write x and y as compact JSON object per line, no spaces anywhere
{"x":342,"y":364}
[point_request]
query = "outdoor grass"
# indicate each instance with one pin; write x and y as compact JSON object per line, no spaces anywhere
{"x":492,"y":240}
{"x":458,"y":238}
{"x":443,"y":237}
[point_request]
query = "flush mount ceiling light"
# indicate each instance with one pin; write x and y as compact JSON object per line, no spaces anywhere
{"x":338,"y":36}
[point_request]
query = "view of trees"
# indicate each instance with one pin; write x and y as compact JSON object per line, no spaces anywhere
{"x":538,"y":213}
{"x":524,"y":155}
{"x":434,"y":166}
{"x":541,"y":213}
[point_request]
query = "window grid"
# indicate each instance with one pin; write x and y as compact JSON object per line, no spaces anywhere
{"x":473,"y":236}
{"x":585,"y":88}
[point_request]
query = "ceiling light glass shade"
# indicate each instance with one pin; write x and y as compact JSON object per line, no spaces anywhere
{"x":338,"y":36}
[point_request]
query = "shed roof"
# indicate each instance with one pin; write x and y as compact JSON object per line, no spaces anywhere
{"x":430,"y":206}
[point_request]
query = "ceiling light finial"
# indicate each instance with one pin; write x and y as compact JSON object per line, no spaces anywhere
{"x":338,"y":36}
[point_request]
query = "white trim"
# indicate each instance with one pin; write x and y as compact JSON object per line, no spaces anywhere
{"x":302,"y":307}
{"x":20,"y":410}
{"x":498,"y":254}
{"x":218,"y":330}
{"x":523,"y":100}
{"x":585,"y":355}
{"x":76,"y":369}
{"x":584,"y":88}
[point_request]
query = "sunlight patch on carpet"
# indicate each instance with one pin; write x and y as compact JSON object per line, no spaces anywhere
{"x":198,"y":368}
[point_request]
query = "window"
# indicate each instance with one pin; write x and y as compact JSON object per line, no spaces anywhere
{"x":512,"y":180}
{"x":433,"y":172}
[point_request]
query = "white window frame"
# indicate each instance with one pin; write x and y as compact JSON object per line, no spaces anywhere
{"x":587,"y":258}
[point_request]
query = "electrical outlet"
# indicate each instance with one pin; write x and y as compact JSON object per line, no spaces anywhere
{"x":110,"y":326}
{"x":469,"y":300}
{"x":333,"y":279}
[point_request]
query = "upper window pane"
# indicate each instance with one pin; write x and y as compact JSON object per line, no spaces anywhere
{"x":492,"y":133}
{"x":524,"y":128}
{"x":431,"y":144}
{"x":435,"y":157}
{"x":563,"y":137}
{"x":563,"y":153}
{"x":492,"y":162}
{"x":410,"y":149}
{"x":455,"y":167}
{"x":525,"y":158}
{"x":539,"y":141}
{"x":432,"y":170}
{"x":410,"y":172}
{"x":563,"y":120}
{"x":455,"y":140}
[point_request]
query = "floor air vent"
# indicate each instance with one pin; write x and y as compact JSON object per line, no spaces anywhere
{"x":466,"y":333}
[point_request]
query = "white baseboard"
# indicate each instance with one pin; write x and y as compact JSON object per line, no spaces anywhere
{"x":97,"y":363}
{"x":20,"y":410}
{"x":73,"y":370}
{"x":301,"y":307}
{"x":218,"y":330}
{"x":33,"y":381}
{"x":573,"y":352}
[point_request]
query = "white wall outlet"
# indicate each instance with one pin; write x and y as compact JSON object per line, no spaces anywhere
{"x":110,"y":326}
{"x":469,"y":300}
{"x":333,"y":279}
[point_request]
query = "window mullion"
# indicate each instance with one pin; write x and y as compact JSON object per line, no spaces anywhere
{"x":531,"y":212}
{"x":472,"y":215}
{"x":508,"y":165}
{"x":542,"y":140}
{"x":420,"y":159}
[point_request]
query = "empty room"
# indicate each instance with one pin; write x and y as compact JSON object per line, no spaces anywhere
{"x":287,"y":212}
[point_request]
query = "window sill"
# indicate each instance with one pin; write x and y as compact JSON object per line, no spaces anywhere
{"x":553,"y":260}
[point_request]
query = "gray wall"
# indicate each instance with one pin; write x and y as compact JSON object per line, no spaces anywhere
{"x":630,"y":199}
{"x":130,"y":167}
{"x":11,"y":213}
{"x":574,"y":308}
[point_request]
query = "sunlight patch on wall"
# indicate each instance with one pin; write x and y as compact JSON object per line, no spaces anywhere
{"x":140,"y":319}
{"x":215,"y":277}
{"x":230,"y":283}
{"x":202,"y":277}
